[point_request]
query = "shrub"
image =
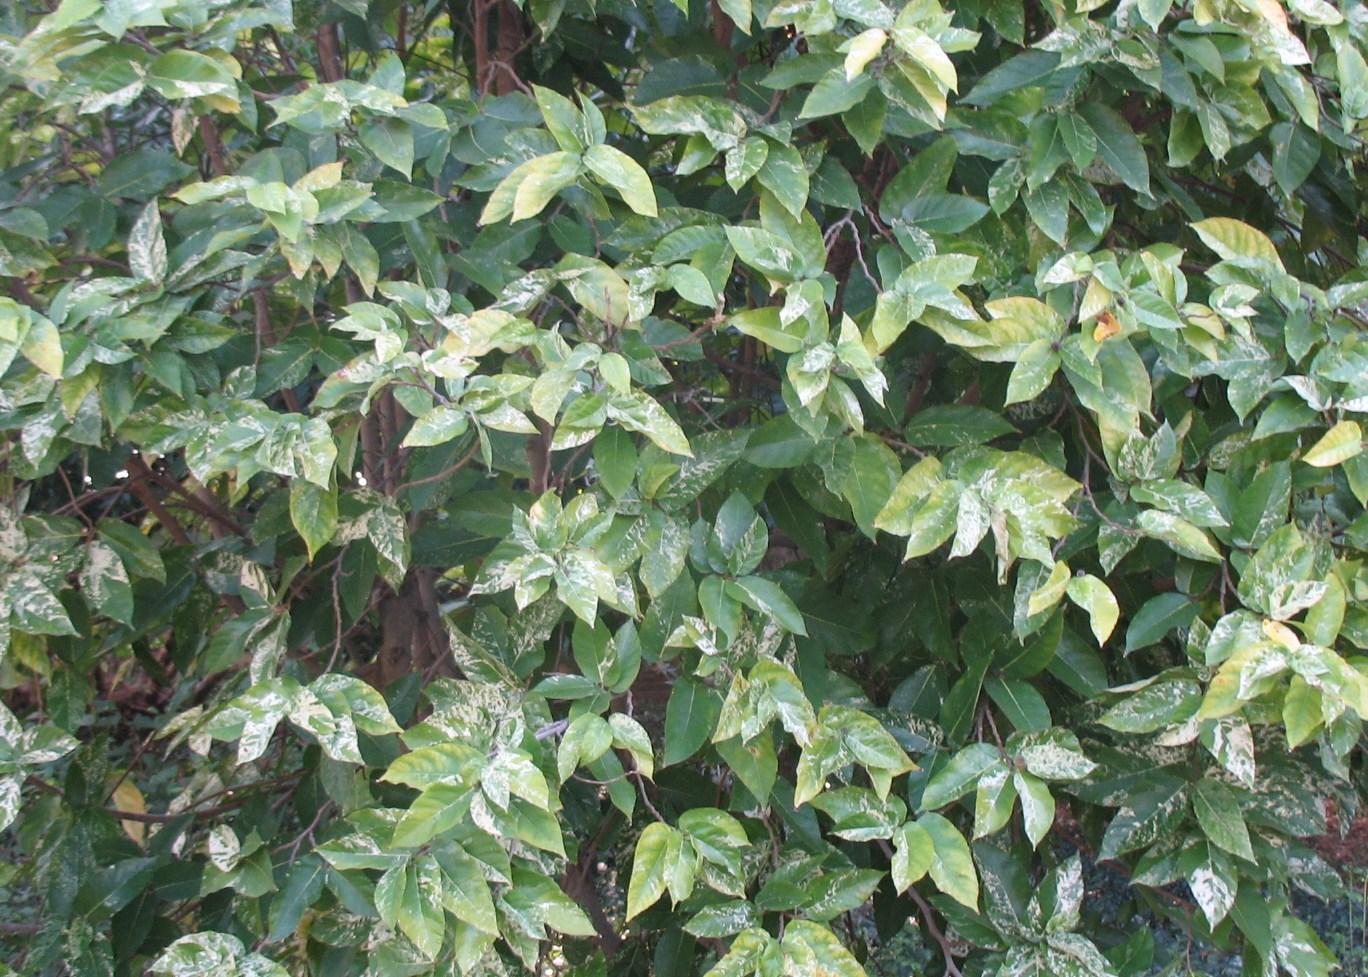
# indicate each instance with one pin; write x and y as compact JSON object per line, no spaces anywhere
{"x":678,"y":488}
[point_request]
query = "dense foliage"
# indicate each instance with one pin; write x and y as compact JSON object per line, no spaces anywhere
{"x":808,"y":470}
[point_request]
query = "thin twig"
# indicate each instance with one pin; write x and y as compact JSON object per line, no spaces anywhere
{"x":445,"y":473}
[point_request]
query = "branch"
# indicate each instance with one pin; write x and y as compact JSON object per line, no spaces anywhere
{"x":138,"y":486}
{"x":193,"y":811}
{"x":947,"y":951}
{"x":213,"y":145}
{"x":329,"y":54}
{"x":444,"y":473}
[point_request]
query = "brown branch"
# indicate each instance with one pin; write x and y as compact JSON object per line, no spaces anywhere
{"x":213,"y":145}
{"x":947,"y":951}
{"x":578,"y":886}
{"x":140,"y":473}
{"x":370,"y":447}
{"x":330,"y":64}
{"x":444,"y":473}
{"x":926,"y":370}
{"x":285,"y":58}
{"x":507,"y":43}
{"x":200,"y":499}
{"x":480,"y":32}
{"x":539,"y":457}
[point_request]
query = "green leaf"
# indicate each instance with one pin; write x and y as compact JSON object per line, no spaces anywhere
{"x":864,"y":48}
{"x":1218,"y":812}
{"x":615,"y":460}
{"x":391,"y":140}
{"x":302,"y":887}
{"x":835,"y":93}
{"x":1181,"y":535}
{"x":745,"y":160}
{"x":360,"y":256}
{"x":1037,"y":806}
{"x":812,"y":949}
{"x":139,"y":554}
{"x":42,"y":346}
{"x":616,"y":169}
{"x":104,"y":581}
{"x":437,"y":426}
{"x":785,"y":175}
{"x":953,"y":425}
{"x":756,"y":764}
{"x":765,"y":325}
{"x":766,"y":252}
{"x":1053,"y":755}
{"x":464,"y":891}
{"x":420,"y":915}
{"x":1303,"y":711}
{"x":994,"y":801}
{"x":913,"y":852}
{"x":147,"y":246}
{"x":1019,"y":701}
{"x":586,"y":739}
{"x":313,"y":510}
{"x":1117,"y":145}
{"x":658,"y":850}
{"x":1143,"y":818}
{"x":562,"y":118}
{"x":768,"y":597}
{"x":183,"y":73}
{"x":779,"y":443}
{"x":640,"y":412}
{"x":690,"y":719}
{"x":1157,"y":617}
{"x":952,"y":868}
{"x":961,"y":775}
{"x":1079,"y":137}
{"x":1154,"y":706}
{"x":1035,"y":368}
{"x":542,"y":178}
{"x":869,"y":481}
{"x":865,"y":121}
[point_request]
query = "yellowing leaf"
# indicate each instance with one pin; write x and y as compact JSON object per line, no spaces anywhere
{"x":1282,"y":634}
{"x":320,"y":178}
{"x":616,"y":169}
{"x":1340,"y":443}
{"x":657,"y":851}
{"x":864,"y":48}
{"x":1235,"y":241}
{"x":546,"y":176}
{"x":1095,"y":597}
{"x":42,"y":346}
{"x":1049,"y":593}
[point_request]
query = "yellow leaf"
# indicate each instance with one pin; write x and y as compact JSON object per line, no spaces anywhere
{"x":129,"y":800}
{"x":1106,"y":327}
